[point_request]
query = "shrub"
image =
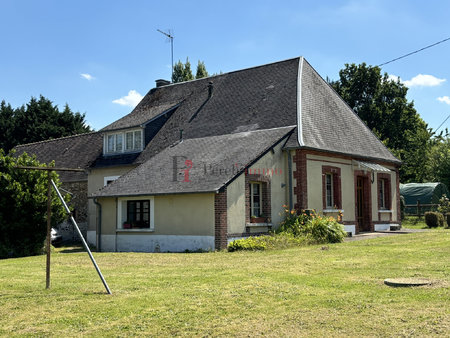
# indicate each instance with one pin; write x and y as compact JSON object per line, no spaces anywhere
{"x":444,"y":204}
{"x":448,"y":220}
{"x":323,"y":230}
{"x":434,"y":219}
{"x":293,"y":222}
{"x":266,"y":242}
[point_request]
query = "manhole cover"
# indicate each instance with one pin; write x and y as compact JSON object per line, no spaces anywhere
{"x":407,"y":281}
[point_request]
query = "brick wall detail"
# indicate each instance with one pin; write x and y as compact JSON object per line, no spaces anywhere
{"x":220,"y":220}
{"x":300,"y":177}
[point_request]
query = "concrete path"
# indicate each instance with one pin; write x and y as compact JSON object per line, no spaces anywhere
{"x":370,"y":235}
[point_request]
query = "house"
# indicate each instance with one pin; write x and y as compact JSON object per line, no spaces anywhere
{"x":199,"y":163}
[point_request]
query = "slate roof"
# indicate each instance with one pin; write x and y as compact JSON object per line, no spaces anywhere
{"x":78,"y":151}
{"x":329,"y":124}
{"x":215,"y":161}
{"x":249,"y":100}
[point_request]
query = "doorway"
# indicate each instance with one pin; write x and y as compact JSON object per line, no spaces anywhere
{"x":362,"y":203}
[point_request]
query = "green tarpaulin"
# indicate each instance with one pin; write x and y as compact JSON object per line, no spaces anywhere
{"x":426,"y":193}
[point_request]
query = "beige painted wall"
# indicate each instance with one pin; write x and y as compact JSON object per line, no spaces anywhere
{"x":236,"y":205}
{"x":278,"y":170}
{"x":314,"y":181}
{"x":182,"y":214}
{"x":96,"y":182}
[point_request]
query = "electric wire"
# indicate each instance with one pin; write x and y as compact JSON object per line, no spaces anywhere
{"x":416,"y":51}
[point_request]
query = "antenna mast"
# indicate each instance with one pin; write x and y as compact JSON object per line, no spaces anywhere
{"x":170,"y":36}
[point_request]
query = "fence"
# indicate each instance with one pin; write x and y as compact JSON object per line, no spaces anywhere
{"x":419,"y":209}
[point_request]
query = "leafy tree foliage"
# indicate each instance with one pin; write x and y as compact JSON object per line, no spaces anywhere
{"x":36,"y":121}
{"x":23,"y":206}
{"x":381,"y":103}
{"x":182,"y":72}
{"x":439,"y":161}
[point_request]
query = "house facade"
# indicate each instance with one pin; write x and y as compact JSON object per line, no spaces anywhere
{"x":200,"y":163}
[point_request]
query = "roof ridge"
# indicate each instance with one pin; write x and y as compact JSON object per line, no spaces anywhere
{"x":55,"y":139}
{"x":231,"y":72}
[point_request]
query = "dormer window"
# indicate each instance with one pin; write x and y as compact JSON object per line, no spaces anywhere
{"x":123,"y":142}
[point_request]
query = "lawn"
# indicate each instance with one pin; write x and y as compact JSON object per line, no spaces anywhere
{"x":414,"y":222}
{"x":336,"y":290}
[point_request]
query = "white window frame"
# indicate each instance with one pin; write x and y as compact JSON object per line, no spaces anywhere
{"x":123,"y":134}
{"x":329,"y":191}
{"x":122,"y":212}
{"x":107,"y":179}
{"x":252,"y":207}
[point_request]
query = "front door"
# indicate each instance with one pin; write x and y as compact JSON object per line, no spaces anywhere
{"x":362,"y":216}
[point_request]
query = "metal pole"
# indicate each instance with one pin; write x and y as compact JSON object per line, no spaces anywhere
{"x":49,"y":228}
{"x":82,"y":238}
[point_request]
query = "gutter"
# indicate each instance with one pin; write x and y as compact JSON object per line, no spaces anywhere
{"x":99,"y":225}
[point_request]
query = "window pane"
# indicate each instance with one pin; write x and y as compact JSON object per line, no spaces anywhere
{"x":119,"y":142}
{"x":129,"y":141}
{"x":137,"y":140}
{"x":329,"y":190}
{"x":110,"y":146}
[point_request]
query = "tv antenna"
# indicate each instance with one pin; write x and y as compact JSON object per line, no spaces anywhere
{"x":170,"y":36}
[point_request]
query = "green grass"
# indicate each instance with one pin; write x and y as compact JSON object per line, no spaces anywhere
{"x":414,"y":222}
{"x":304,"y":291}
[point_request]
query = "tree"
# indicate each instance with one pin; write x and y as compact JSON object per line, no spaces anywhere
{"x":38,"y":120}
{"x":182,"y":72}
{"x":381,"y":103}
{"x":23,"y":206}
{"x":439,"y":161}
{"x":201,"y":70}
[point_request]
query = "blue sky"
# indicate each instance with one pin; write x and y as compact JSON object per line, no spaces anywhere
{"x":100,"y":57}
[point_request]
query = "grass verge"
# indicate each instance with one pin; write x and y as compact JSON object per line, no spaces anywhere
{"x":302,"y":291}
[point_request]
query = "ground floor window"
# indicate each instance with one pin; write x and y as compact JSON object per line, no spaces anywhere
{"x":255,"y":199}
{"x":331,"y":187}
{"x":138,"y":214}
{"x":384,"y":191}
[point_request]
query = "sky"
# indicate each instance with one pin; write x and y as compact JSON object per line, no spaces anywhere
{"x":101,"y":57}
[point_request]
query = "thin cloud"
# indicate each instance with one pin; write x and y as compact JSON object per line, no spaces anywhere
{"x":131,"y":100}
{"x":444,"y":99}
{"x":87,"y":76}
{"x":423,"y":80}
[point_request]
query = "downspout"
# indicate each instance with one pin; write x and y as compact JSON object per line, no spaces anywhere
{"x":290,"y":179}
{"x":99,"y":225}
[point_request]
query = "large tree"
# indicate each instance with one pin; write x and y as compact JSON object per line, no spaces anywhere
{"x":36,"y":121}
{"x":382,"y":104}
{"x":23,"y":206}
{"x":439,"y":161}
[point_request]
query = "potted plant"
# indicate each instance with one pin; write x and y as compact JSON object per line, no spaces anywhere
{"x":126,"y":225}
{"x":260,"y":219}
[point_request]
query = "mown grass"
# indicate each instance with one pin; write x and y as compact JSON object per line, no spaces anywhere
{"x":303,"y":291}
{"x":414,"y":222}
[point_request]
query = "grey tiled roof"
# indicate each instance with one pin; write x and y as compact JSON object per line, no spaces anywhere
{"x":77,"y":151}
{"x":329,"y":124}
{"x":215,"y":161}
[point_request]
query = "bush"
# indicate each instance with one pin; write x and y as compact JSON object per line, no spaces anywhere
{"x":434,"y":219}
{"x":444,"y":205}
{"x":23,"y":207}
{"x":322,"y":230}
{"x":293,"y":222}
{"x":402,"y":207}
{"x":266,"y":242}
{"x":448,"y":220}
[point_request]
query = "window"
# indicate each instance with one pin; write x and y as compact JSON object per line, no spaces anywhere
{"x":129,"y":141}
{"x":138,"y":214}
{"x":109,"y":179}
{"x":255,"y":199}
{"x":331,"y":187}
{"x":384,"y":191}
{"x":329,"y":190}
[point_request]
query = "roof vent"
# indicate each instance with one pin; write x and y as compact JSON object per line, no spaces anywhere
{"x":161,"y":83}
